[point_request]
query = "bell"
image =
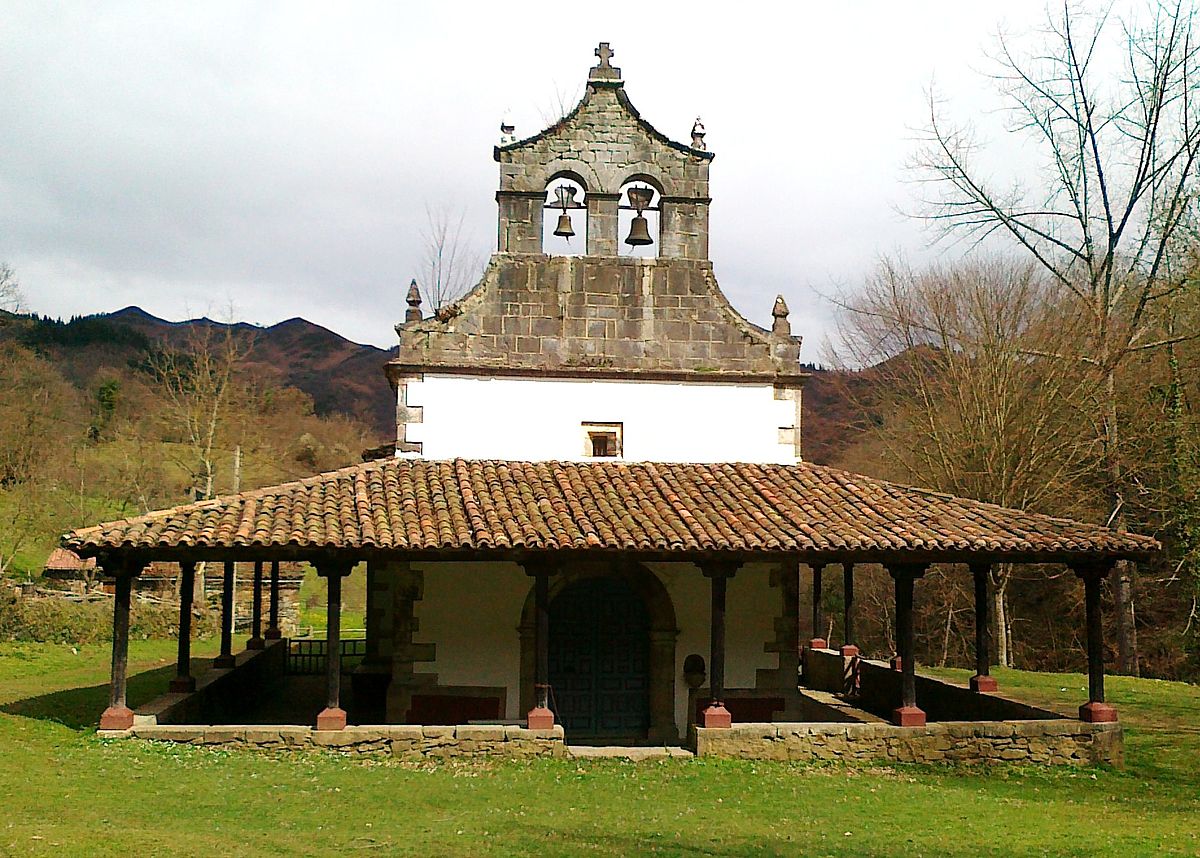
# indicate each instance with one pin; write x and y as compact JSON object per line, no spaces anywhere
{"x":564,"y":228}
{"x":639,"y":232}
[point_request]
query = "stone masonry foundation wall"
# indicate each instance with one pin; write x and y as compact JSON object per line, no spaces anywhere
{"x":1040,"y":742}
{"x":400,"y":741}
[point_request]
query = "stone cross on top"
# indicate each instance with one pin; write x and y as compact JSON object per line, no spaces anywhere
{"x":605,"y":71}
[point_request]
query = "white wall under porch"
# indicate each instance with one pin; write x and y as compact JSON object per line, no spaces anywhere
{"x":471,"y":611}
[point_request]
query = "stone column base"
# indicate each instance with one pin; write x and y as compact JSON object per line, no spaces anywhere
{"x":896,"y":663}
{"x":182,"y":685}
{"x":540,"y":718}
{"x":984,"y":684}
{"x":717,"y":716}
{"x":908,"y":716}
{"x":818,"y":643}
{"x":331,"y":719}
{"x":224,"y":662}
{"x":116,"y":718}
{"x":849,"y":650}
{"x":274,"y":635}
{"x":255,"y":643}
{"x":1097,"y":713}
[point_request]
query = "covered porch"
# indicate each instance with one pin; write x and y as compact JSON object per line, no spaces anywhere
{"x":632,"y":565}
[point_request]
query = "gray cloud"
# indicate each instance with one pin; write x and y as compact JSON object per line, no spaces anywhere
{"x":278,"y":157}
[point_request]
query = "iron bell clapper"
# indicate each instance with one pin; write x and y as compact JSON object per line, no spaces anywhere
{"x":566,"y":200}
{"x":639,"y":229}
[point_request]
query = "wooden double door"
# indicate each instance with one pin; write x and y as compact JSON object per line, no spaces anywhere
{"x":599,"y":649}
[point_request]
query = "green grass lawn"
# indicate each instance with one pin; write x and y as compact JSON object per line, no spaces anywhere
{"x":66,"y":792}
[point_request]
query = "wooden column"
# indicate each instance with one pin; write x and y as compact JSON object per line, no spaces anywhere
{"x":118,"y":716}
{"x":256,"y":639}
{"x":333,"y":716}
{"x":1095,"y":711}
{"x":718,"y":573}
{"x":818,"y":615}
{"x":540,"y":717}
{"x":273,"y":631}
{"x":982,"y":681}
{"x":906,"y":714}
{"x":226,"y":659}
{"x":848,"y":647}
{"x":184,"y":682}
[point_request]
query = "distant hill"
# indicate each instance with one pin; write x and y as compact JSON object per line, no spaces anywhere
{"x":341,"y":376}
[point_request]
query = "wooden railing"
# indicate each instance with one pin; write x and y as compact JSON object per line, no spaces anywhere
{"x":307,"y":656}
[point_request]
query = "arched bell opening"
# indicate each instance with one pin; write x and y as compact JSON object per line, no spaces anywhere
{"x":565,"y":217}
{"x":639,"y":219}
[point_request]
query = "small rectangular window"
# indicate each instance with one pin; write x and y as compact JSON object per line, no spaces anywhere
{"x":603,"y":440}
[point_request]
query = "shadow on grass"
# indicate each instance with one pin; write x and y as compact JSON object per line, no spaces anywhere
{"x":80,"y":708}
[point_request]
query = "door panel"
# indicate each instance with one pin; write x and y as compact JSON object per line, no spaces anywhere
{"x":599,"y":660}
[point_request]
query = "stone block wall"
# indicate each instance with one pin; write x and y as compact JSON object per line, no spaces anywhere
{"x":1040,"y":742}
{"x":538,"y":312}
{"x":401,"y":741}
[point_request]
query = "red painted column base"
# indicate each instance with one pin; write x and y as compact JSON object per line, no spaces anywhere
{"x":1097,"y":713}
{"x":897,"y":663}
{"x":717,"y":716}
{"x":224,"y":662}
{"x":182,"y":685}
{"x":256,"y":643}
{"x":984,"y":684}
{"x":331,"y":719}
{"x":116,"y":718}
{"x":908,"y":716}
{"x":273,"y":634}
{"x":849,"y":650}
{"x":540,"y":718}
{"x":818,"y":643}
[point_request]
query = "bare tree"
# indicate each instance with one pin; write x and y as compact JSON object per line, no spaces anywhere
{"x":1119,"y":157}
{"x":450,"y":264}
{"x":559,"y":105}
{"x":197,"y":384}
{"x":957,"y":401}
{"x":11,"y":298}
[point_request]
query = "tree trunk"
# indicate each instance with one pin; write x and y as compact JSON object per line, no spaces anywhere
{"x":1001,"y":640}
{"x":1122,"y":573}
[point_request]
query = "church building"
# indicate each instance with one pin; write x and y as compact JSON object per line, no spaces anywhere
{"x":597,"y":516}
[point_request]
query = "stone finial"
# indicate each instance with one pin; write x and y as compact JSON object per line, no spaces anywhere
{"x":698,"y":133}
{"x":507,"y":131}
{"x":413,"y":313}
{"x":604,"y":71}
{"x":780,"y":327}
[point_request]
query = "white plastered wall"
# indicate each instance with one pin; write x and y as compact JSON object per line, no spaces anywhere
{"x":471,"y":611}
{"x":484,"y":417}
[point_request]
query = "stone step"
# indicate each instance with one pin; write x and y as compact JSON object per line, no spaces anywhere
{"x":622,"y":752}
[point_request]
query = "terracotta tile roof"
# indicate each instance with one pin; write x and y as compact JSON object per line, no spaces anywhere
{"x":421,"y":505}
{"x":62,"y":560}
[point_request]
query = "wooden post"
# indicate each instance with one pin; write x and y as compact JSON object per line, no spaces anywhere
{"x":184,"y":682}
{"x":273,"y":631}
{"x":1095,"y":711}
{"x":118,"y":716}
{"x":906,"y":714}
{"x":256,"y":639}
{"x":333,"y":717}
{"x":716,"y":715}
{"x":818,"y":615}
{"x":226,"y":659}
{"x":848,"y":648}
{"x":540,"y":717}
{"x":982,"y":681}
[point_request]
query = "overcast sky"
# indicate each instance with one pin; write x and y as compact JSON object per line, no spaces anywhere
{"x":278,"y":157}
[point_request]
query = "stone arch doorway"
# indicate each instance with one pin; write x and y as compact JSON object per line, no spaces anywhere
{"x":613,"y":628}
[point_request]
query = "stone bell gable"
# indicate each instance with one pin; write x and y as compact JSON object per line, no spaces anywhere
{"x":602,"y":144}
{"x":599,"y":311}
